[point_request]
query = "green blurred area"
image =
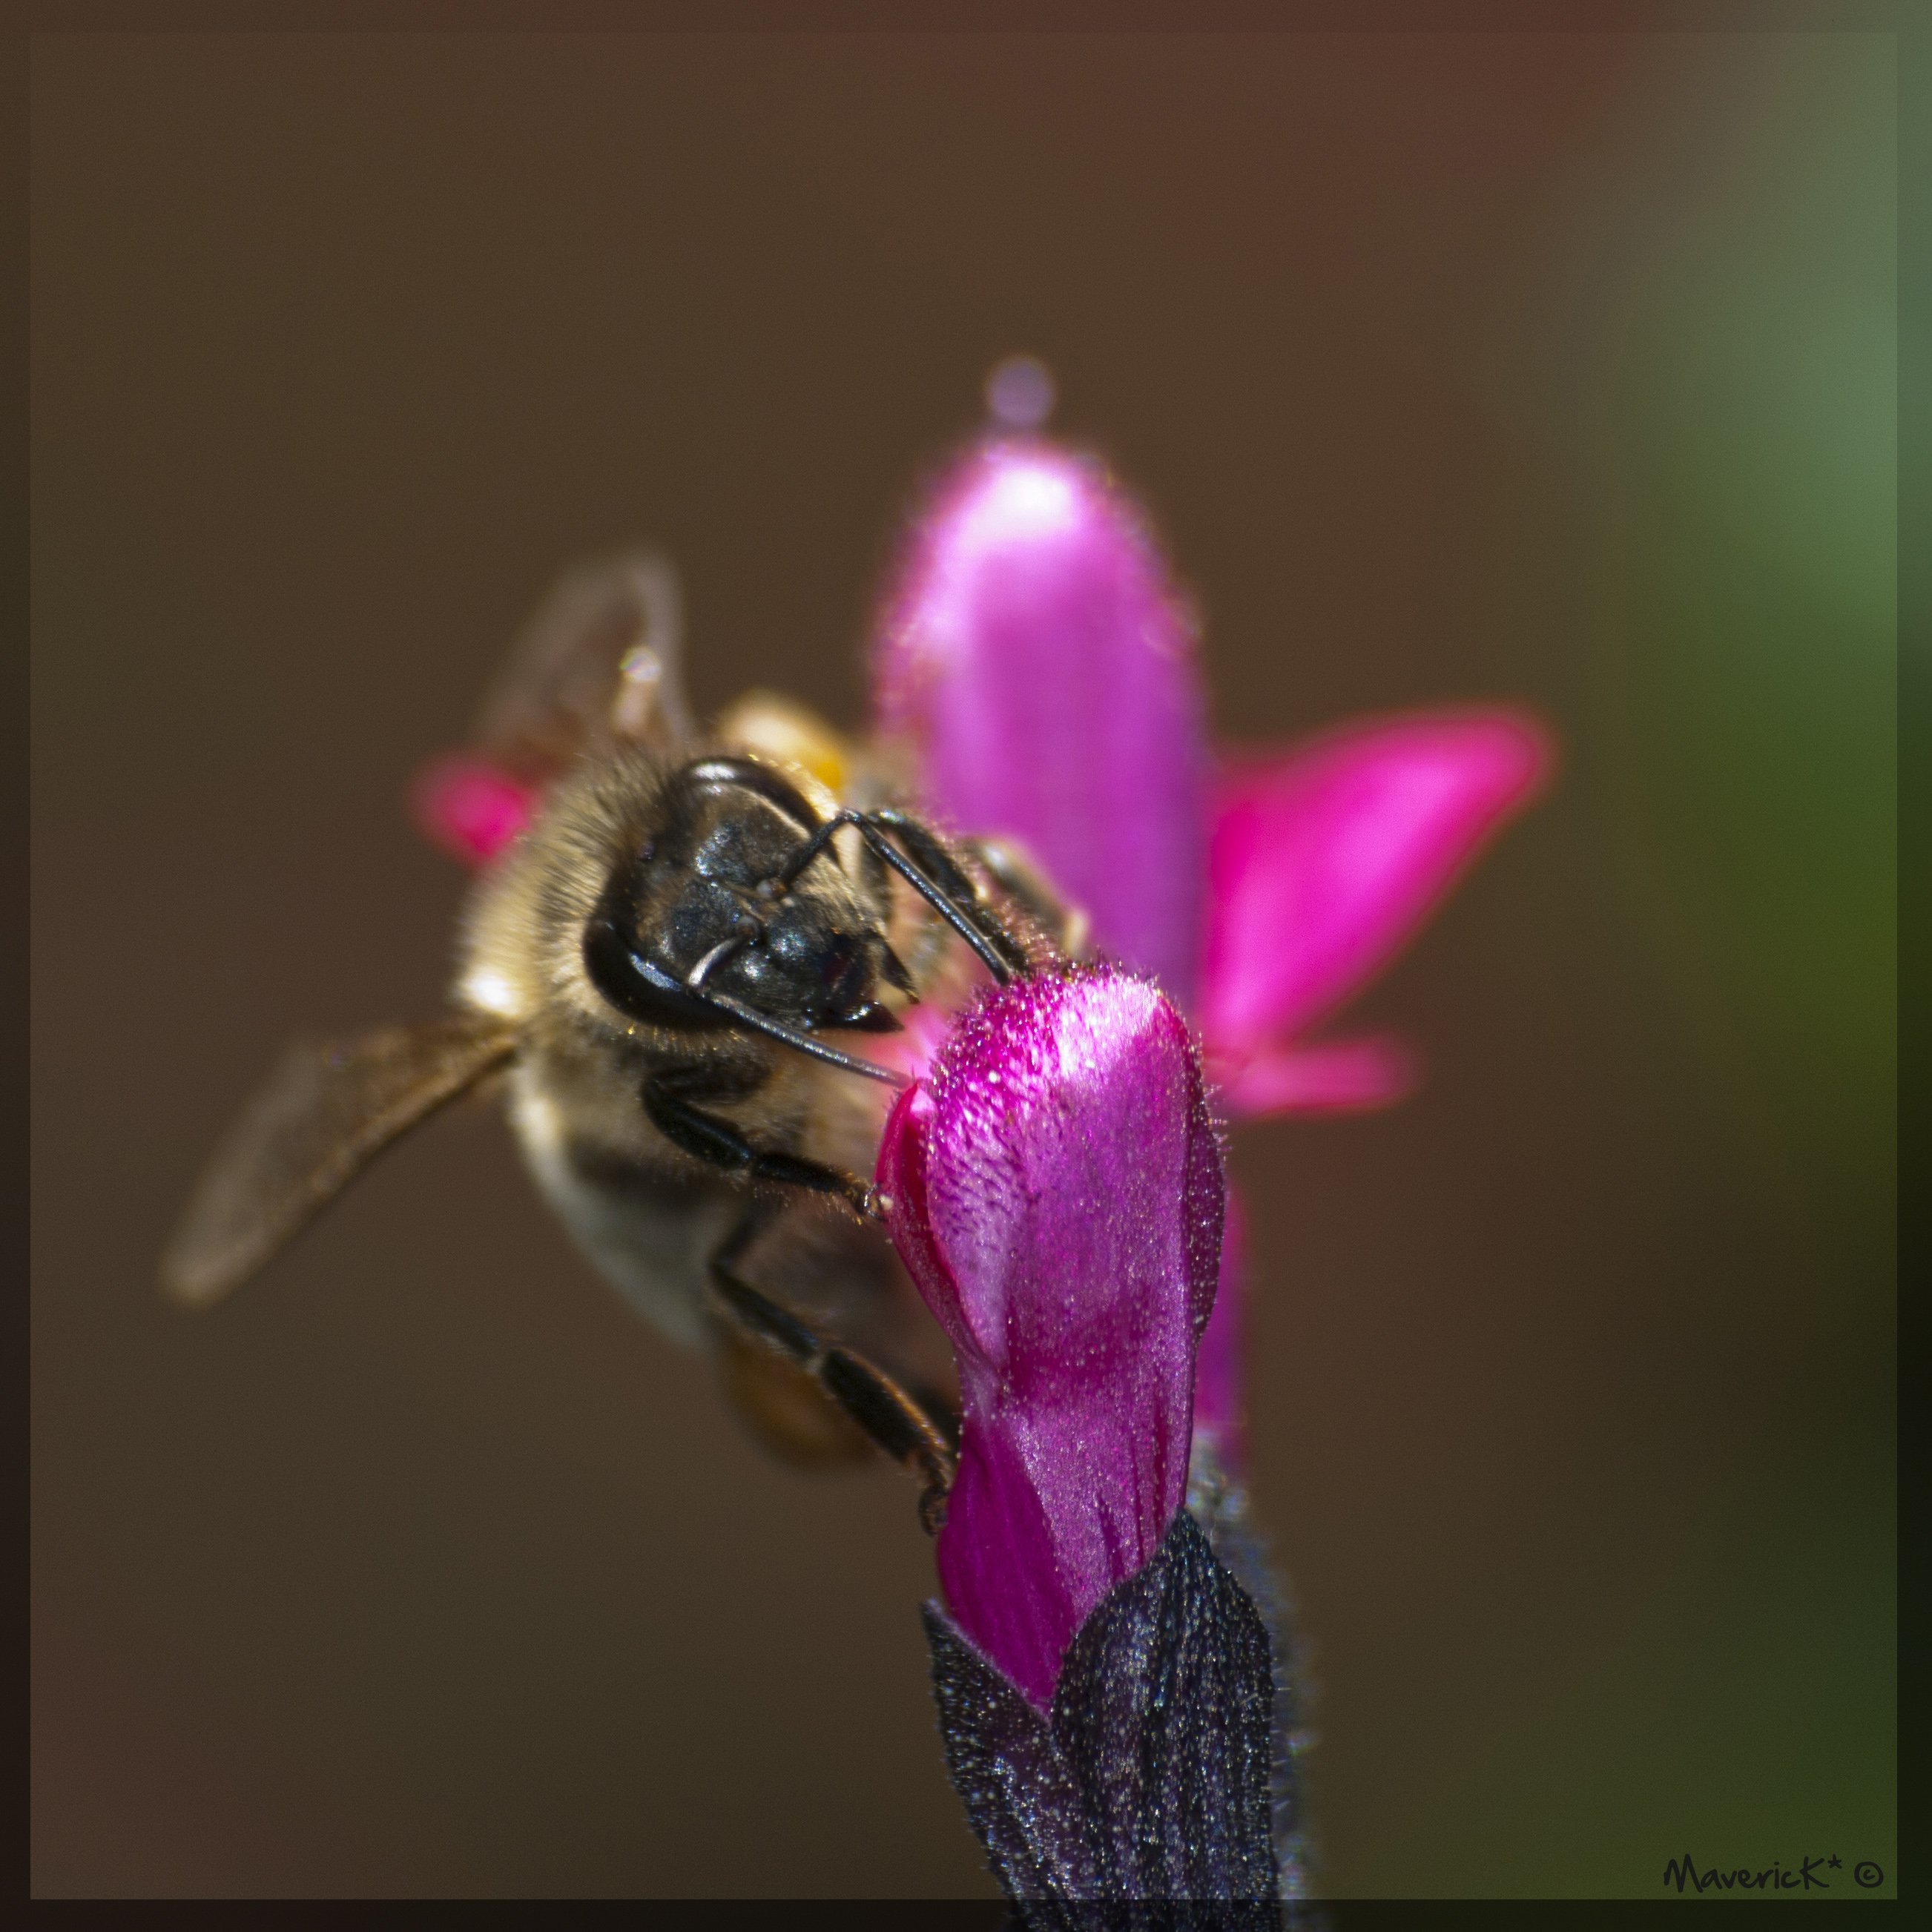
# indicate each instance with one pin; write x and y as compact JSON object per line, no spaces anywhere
{"x":1749,"y":415}
{"x":1735,"y":398}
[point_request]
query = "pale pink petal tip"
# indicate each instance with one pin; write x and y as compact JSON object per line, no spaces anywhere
{"x":1037,"y":659}
{"x":470,"y":809}
{"x":1338,"y":1076}
{"x":1323,"y":862}
{"x":1057,"y":1193}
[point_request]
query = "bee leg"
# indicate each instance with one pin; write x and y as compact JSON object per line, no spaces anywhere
{"x":1022,"y":882}
{"x":927,"y":851}
{"x":897,"y":1422}
{"x":920,"y":857}
{"x":670,"y":1097}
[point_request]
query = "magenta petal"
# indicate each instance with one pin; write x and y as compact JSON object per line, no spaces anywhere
{"x":1323,"y":862}
{"x":1341,"y":1076}
{"x":1035,"y":659}
{"x":470,"y":809}
{"x":1056,"y":1193}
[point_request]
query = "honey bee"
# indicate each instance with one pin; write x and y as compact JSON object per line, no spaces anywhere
{"x":667,"y":977}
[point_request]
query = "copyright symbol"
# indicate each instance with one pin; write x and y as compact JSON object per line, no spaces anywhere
{"x":1867,"y":1874}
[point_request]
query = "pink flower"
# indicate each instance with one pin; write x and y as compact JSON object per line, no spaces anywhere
{"x":1042,"y":670}
{"x":1056,"y":1192}
{"x":1035,"y":660}
{"x":1114,"y":1705}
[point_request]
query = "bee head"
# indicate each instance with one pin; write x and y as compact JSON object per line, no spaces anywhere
{"x":714,"y":914}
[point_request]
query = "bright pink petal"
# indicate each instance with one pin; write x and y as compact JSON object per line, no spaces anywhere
{"x":1056,"y":1194}
{"x":1342,"y":1076}
{"x":470,"y":809}
{"x":1323,"y":863}
{"x":1035,"y":658}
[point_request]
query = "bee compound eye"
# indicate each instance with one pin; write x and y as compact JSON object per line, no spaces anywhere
{"x":620,"y":966}
{"x":761,"y":781}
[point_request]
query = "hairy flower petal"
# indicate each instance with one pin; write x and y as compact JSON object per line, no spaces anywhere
{"x":1057,"y":1193}
{"x":1037,"y":661}
{"x":1323,"y":863}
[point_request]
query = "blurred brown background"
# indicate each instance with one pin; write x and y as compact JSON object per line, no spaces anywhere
{"x":1552,"y":367}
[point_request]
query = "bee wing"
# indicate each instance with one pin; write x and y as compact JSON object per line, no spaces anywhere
{"x":602,"y":661}
{"x":322,"y":1115}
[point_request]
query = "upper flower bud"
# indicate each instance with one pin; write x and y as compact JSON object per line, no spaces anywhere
{"x":1036,"y":658}
{"x":1056,"y":1192}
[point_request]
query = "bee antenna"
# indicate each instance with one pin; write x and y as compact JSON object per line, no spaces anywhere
{"x":800,"y":1043}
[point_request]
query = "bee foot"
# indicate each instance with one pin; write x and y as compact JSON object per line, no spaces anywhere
{"x":932,"y":1509}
